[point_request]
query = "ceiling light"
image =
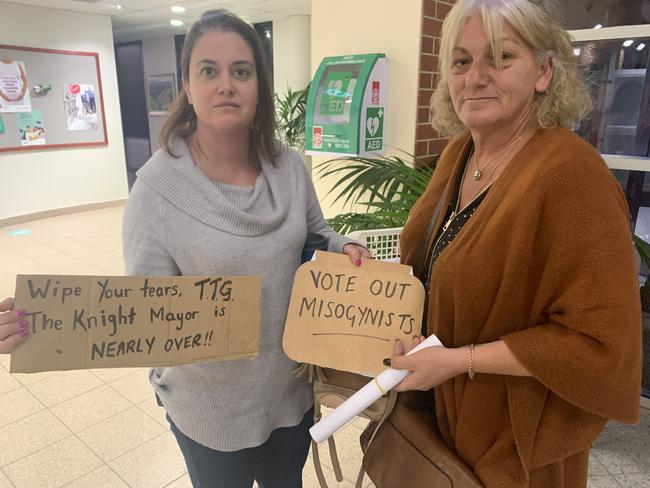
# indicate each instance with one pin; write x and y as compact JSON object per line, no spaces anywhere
{"x":176,"y":22}
{"x":177,"y":9}
{"x":628,"y":43}
{"x":640,"y":47}
{"x":577,"y":51}
{"x":598,"y":26}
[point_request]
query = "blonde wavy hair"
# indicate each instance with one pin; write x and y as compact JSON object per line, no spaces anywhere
{"x":567,"y":99}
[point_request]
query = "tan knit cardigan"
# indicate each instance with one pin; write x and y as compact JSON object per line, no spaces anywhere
{"x":545,"y":264}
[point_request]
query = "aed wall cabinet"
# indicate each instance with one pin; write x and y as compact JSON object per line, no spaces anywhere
{"x":346,"y":107}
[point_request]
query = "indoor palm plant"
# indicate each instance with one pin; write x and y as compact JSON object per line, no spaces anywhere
{"x":290,"y":111}
{"x":644,"y":253}
{"x":643,"y":248}
{"x":385,"y":187}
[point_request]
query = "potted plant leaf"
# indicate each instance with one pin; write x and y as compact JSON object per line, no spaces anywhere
{"x":643,"y":248}
{"x":290,"y":113}
{"x":385,"y":187}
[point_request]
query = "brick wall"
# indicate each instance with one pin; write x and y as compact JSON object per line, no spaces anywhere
{"x":427,"y":142}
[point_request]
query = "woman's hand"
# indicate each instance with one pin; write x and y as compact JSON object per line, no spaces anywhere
{"x":13,"y":326}
{"x":356,"y":253}
{"x":430,"y":366}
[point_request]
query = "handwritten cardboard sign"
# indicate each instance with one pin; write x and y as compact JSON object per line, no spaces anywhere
{"x":344,"y":317}
{"x":79,"y":322}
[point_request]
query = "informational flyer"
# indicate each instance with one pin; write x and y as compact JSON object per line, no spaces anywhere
{"x":80,"y":107}
{"x":32,"y":130}
{"x":14,"y":93}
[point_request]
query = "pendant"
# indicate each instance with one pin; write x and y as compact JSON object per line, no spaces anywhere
{"x":477,"y":175}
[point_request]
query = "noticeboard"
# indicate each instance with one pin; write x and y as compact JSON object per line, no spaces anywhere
{"x":50,"y":98}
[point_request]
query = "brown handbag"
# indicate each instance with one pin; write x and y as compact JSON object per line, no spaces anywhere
{"x":406,"y":449}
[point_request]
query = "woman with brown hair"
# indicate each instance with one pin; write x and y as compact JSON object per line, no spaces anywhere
{"x":529,"y":272}
{"x":224,"y":197}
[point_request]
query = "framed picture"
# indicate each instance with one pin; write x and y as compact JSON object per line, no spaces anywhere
{"x":161,"y":92}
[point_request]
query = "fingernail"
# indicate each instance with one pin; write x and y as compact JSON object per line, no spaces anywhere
{"x":24,"y":333}
{"x":386,"y":362}
{"x":21,"y":312}
{"x":23,"y":323}
{"x":357,"y":262}
{"x":416,"y":338}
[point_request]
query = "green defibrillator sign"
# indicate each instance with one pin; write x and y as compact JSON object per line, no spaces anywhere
{"x":346,"y":106}
{"x":374,"y":128}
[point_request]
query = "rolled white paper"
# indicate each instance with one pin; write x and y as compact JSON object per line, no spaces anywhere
{"x":357,"y":403}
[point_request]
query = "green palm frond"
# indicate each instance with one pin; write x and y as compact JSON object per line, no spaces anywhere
{"x":350,"y":222}
{"x":386,"y":186}
{"x":384,"y":178}
{"x":290,"y":111}
{"x":643,"y":249}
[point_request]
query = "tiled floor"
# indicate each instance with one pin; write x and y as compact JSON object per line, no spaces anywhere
{"x":103,"y":429}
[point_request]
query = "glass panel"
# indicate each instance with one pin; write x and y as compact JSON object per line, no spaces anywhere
{"x":636,"y":186}
{"x":616,"y":71}
{"x":632,"y":182}
{"x":586,"y":14}
{"x":335,"y":92}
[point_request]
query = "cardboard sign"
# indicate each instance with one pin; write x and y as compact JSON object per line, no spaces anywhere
{"x":79,"y":322}
{"x":344,"y":317}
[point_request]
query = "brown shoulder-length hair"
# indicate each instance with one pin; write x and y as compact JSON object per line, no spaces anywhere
{"x":181,"y":121}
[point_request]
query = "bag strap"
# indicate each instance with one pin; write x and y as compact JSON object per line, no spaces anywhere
{"x":392,"y":399}
{"x":423,"y":252}
{"x":424,"y":255}
{"x":318,"y":467}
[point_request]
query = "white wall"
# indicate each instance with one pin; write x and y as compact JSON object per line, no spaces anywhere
{"x":291,"y":53}
{"x":158,"y":58}
{"x":34,"y":181}
{"x":342,"y":27}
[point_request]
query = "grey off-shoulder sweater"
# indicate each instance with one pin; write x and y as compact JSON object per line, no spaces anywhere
{"x":179,"y":222}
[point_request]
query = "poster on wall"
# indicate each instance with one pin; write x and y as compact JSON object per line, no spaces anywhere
{"x":80,"y":107}
{"x":14,"y":95}
{"x":32,"y":131}
{"x":161,"y":93}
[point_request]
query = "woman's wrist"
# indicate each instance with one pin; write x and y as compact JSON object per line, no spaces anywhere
{"x":460,"y":360}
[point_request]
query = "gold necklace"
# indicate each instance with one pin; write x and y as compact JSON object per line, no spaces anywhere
{"x":478,"y":173}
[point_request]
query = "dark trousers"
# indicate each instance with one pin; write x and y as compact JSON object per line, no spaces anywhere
{"x":277,"y":463}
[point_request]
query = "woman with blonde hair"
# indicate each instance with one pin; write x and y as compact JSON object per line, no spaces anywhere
{"x":529,"y":266}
